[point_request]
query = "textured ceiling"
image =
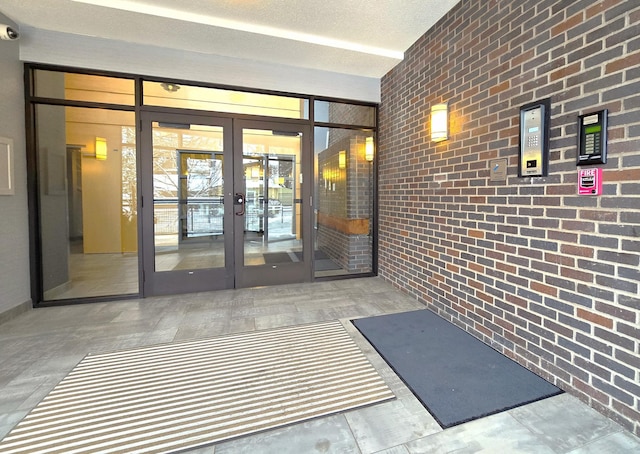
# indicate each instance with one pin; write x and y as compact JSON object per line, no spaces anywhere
{"x":360,"y":37}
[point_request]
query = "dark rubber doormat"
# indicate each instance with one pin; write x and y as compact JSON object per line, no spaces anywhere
{"x":455,"y":376}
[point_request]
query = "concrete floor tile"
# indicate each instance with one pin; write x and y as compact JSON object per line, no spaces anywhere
{"x":277,"y":321}
{"x":242,"y":325}
{"x":187,"y":332}
{"x":394,"y":450}
{"x":618,"y":443}
{"x":205,"y":450}
{"x":160,"y":336}
{"x":9,"y":419}
{"x":390,"y":424}
{"x":564,"y":422}
{"x":499,"y":433}
{"x":329,"y":435}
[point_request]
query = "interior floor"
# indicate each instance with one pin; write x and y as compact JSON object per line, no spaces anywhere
{"x":40,"y":347}
{"x":93,"y":275}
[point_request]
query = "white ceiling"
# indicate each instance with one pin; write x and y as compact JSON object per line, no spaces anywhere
{"x":356,"y":37}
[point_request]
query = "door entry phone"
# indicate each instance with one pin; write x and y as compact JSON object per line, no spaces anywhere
{"x":534,"y":139}
{"x":592,"y":138}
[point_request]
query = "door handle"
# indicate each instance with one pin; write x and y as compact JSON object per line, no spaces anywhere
{"x":239,"y":200}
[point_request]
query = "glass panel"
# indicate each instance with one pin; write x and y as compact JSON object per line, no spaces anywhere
{"x":200,"y":194}
{"x":344,"y":114}
{"x":343,"y":202}
{"x":218,"y":100}
{"x":273,"y":230}
{"x":88,"y":209}
{"x":83,"y":87}
{"x":188,"y":196}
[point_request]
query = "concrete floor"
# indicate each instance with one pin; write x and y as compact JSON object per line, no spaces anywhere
{"x":40,"y":347}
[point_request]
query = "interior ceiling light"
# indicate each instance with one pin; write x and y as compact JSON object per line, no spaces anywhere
{"x":171,"y":88}
{"x":170,"y":13}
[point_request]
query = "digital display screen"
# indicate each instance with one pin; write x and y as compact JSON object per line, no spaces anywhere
{"x":534,"y":129}
{"x":592,"y":129}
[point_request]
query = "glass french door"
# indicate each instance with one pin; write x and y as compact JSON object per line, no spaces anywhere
{"x":272,"y":232}
{"x":222,"y":203}
{"x":186,"y":209}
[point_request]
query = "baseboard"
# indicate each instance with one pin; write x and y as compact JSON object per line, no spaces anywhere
{"x":53,"y":293}
{"x":15,"y":311}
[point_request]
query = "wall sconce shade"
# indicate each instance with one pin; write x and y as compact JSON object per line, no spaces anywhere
{"x":101,"y":148}
{"x":439,"y":122}
{"x":368,"y":149}
{"x":342,"y":159}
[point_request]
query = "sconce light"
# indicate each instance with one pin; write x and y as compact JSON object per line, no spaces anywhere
{"x":342,"y":159}
{"x":368,"y":149}
{"x":101,"y":148}
{"x":439,"y":122}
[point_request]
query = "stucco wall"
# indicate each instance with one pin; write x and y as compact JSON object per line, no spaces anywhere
{"x":14,"y":231}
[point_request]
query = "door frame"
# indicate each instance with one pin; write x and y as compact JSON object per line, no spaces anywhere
{"x":234,"y":274}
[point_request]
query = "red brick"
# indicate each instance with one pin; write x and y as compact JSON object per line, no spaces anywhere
{"x":546,"y":289}
{"x":594,"y":318}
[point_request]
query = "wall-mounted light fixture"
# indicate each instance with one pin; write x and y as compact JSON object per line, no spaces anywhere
{"x":368,"y":149}
{"x":101,"y":148}
{"x":342,"y":159}
{"x":439,"y":122}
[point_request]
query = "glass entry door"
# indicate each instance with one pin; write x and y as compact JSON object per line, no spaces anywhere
{"x":222,"y":204}
{"x":272,"y":234}
{"x":186,"y":176}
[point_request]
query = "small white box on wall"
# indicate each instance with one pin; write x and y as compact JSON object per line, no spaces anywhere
{"x":6,"y":167}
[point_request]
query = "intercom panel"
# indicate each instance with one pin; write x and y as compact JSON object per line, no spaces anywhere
{"x":592,"y":138}
{"x":534,"y":139}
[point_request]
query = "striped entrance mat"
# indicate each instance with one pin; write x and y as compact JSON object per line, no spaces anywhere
{"x":171,"y":397}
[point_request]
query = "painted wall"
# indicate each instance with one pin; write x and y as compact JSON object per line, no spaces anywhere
{"x":548,"y":277}
{"x":52,"y":166}
{"x":14,"y":230}
{"x":104,"y":229}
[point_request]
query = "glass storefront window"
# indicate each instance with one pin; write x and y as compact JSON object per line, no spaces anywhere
{"x":88,"y":211}
{"x":89,"y":166}
{"x":84,"y":87}
{"x":344,"y":114}
{"x":344,"y":201}
{"x":230,"y":101}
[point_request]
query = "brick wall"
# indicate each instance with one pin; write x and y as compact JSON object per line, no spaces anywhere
{"x":548,"y":277}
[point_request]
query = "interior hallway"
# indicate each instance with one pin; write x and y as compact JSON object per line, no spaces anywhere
{"x":40,"y":347}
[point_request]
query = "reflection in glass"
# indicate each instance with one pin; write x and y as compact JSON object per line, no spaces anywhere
{"x":343,"y":202}
{"x":344,"y":114}
{"x":188,"y":197}
{"x":88,"y":211}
